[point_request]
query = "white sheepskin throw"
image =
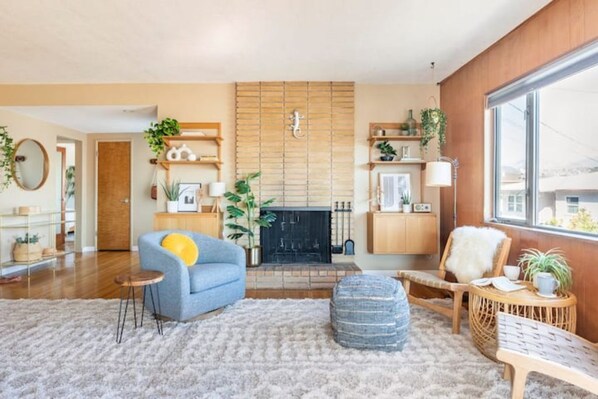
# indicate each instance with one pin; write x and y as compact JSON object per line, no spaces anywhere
{"x":472,"y":252}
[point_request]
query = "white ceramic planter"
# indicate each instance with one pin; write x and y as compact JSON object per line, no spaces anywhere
{"x":172,"y":206}
{"x":407,"y":208}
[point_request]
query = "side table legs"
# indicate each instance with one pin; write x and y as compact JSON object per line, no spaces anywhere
{"x":120,"y":326}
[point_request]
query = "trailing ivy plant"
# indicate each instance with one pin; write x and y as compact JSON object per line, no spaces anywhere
{"x":433,"y":124}
{"x":246,"y":207}
{"x":154,"y":135}
{"x":7,"y":151}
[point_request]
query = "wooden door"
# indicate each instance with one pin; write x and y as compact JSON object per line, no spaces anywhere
{"x":113,"y":202}
{"x":61,"y":197}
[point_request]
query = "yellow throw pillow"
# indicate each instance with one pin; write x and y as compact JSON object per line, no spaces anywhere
{"x":182,"y":246}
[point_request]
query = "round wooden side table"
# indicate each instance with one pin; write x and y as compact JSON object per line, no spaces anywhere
{"x":485,"y":302}
{"x":145,"y":279}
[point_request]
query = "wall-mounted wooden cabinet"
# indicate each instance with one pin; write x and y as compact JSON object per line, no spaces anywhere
{"x":402,"y":233}
{"x":200,"y":222}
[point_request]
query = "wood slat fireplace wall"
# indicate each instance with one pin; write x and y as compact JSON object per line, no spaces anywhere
{"x":314,"y":170}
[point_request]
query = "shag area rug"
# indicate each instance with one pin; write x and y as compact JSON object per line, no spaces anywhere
{"x":254,"y":349}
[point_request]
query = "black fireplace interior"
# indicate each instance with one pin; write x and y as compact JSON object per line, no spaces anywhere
{"x":299,"y":235}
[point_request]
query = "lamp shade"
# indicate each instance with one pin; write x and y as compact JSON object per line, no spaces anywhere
{"x":438,"y":174}
{"x":216,"y":189}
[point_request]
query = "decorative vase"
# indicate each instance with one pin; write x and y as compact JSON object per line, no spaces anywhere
{"x":253,"y":256}
{"x":173,"y":154}
{"x":412,"y":124}
{"x":185,"y":152}
{"x":172,"y":206}
{"x":387,"y":158}
{"x":27,"y":252}
{"x":407,"y":208}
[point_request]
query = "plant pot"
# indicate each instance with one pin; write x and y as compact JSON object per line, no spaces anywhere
{"x":407,"y":208}
{"x":387,"y":158}
{"x":253,"y":256}
{"x":27,"y":252}
{"x":172,"y":206}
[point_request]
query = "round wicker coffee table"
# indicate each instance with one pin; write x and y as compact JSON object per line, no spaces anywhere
{"x":485,"y":302}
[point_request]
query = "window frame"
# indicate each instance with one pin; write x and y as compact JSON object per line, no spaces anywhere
{"x":567,"y":204}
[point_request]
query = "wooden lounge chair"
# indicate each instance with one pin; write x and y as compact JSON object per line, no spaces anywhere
{"x":436,"y":279}
{"x":525,"y":345}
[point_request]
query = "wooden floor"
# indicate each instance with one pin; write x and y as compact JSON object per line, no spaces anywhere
{"x":91,"y":275}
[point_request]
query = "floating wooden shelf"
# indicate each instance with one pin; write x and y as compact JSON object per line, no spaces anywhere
{"x":166,"y":164}
{"x":168,"y":139}
{"x":373,"y":164}
{"x":373,"y":139}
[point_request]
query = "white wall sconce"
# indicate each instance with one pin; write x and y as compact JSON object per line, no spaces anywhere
{"x":295,"y":120}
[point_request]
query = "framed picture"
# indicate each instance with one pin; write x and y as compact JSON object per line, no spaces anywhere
{"x":189,"y":199}
{"x":392,"y":187}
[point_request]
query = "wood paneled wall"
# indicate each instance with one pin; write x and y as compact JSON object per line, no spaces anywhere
{"x":560,"y":27}
{"x":316,"y":169}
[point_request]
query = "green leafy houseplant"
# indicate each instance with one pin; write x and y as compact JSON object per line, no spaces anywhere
{"x":69,"y":189}
{"x":406,"y":198}
{"x":7,"y":151}
{"x":155,"y":134}
{"x":246,"y":207}
{"x":433,"y":125}
{"x":553,"y":261}
{"x":28,"y":239}
{"x":172,"y":191}
{"x":388,"y":152}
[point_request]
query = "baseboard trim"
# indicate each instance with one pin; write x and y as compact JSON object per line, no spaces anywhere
{"x":88,"y":249}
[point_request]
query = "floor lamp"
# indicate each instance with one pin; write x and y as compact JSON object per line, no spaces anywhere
{"x":438,"y":174}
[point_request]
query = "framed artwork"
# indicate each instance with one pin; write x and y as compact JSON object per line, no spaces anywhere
{"x":189,"y":199}
{"x":392,"y":187}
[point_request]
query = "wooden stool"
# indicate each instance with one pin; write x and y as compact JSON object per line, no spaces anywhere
{"x":143,"y":279}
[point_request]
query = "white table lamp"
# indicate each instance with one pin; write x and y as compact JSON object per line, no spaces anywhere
{"x":216,"y":189}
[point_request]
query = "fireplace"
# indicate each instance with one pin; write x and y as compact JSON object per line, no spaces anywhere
{"x":299,"y":235}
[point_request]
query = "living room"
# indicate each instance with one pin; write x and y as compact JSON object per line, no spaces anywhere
{"x":101,"y":74}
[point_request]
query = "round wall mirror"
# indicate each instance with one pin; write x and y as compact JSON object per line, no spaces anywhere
{"x":30,"y":164}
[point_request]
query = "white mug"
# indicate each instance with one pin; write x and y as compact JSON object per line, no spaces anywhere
{"x":547,"y":284}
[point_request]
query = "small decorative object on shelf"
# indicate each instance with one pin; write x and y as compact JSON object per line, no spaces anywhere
{"x":406,"y":200}
{"x":246,"y":207}
{"x":553,"y":261}
{"x":379,"y":132}
{"x":173,"y":154}
{"x":422,"y":208}
{"x":388,"y":152}
{"x":29,"y":210}
{"x":404,"y":129}
{"x":411,"y":123}
{"x":27,"y":248}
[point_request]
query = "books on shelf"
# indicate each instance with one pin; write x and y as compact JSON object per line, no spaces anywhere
{"x":500,"y":283}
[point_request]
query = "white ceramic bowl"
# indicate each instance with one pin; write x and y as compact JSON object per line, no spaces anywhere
{"x":512,"y":272}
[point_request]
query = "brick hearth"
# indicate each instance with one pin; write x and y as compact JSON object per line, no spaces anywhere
{"x":299,"y":276}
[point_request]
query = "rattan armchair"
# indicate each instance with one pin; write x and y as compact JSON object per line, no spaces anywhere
{"x":526,"y":345}
{"x":436,"y":279}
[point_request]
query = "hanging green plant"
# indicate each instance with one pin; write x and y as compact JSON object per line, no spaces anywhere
{"x":433,"y":125}
{"x":154,"y":135}
{"x":7,"y":151}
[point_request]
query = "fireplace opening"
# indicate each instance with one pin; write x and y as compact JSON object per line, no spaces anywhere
{"x":299,"y":235}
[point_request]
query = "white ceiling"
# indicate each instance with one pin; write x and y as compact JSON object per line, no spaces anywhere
{"x":146,"y":41}
{"x":95,"y":118}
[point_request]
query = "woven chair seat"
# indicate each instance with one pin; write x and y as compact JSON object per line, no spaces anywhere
{"x":430,"y":278}
{"x":540,"y":347}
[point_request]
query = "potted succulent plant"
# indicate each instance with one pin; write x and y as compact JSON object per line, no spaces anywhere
{"x":553,"y":261}
{"x":433,"y":125}
{"x":27,"y":248}
{"x":172,"y":192}
{"x":387,"y":151}
{"x":406,"y":200}
{"x":154,"y":135}
{"x":246,"y":207}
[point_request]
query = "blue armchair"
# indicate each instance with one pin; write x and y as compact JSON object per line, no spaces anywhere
{"x":217,"y":280}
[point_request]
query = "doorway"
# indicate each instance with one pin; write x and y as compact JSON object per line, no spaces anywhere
{"x":113,"y":195}
{"x":68,"y":194}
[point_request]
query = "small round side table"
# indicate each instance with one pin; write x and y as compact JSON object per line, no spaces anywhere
{"x":145,"y":279}
{"x":485,"y":302}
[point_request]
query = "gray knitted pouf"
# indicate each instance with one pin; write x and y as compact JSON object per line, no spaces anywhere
{"x":369,"y":312}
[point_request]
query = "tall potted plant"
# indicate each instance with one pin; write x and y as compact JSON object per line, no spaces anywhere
{"x":433,"y":125}
{"x":247,"y":208}
{"x":154,"y":135}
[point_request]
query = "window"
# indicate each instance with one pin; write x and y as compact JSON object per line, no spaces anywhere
{"x":572,"y":204}
{"x":546,"y":154}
